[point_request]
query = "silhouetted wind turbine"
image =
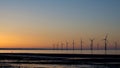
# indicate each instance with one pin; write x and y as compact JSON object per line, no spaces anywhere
{"x":73,"y":44}
{"x":115,"y":45}
{"x":91,"y":45}
{"x":105,"y":40}
{"x":57,"y":46}
{"x":81,"y":44}
{"x":62,"y":46}
{"x":66,"y":45}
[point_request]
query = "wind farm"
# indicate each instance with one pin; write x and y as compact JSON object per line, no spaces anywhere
{"x":72,"y":45}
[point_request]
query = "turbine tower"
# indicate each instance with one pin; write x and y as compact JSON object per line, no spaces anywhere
{"x":115,"y":45}
{"x":62,"y":46}
{"x":105,"y":40}
{"x":81,"y":44}
{"x":66,"y":45}
{"x":91,"y":44}
{"x":73,"y":44}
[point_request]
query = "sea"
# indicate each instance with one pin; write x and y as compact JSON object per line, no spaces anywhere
{"x":106,"y":65}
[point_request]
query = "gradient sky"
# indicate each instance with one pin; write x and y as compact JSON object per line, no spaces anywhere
{"x":40,"y":23}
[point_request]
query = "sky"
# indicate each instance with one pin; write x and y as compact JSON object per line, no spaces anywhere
{"x":41,"y":23}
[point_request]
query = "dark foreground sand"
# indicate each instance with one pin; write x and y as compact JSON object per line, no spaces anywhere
{"x":44,"y":58}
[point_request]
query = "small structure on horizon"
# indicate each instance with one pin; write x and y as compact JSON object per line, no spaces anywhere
{"x":116,"y":46}
{"x":62,"y":46}
{"x":105,"y":41}
{"x":73,"y":45}
{"x":81,"y":45}
{"x":91,"y":44}
{"x":66,"y":45}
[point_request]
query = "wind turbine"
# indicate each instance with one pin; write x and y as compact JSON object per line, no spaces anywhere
{"x":62,"y":46}
{"x":66,"y":45}
{"x":81,"y":44}
{"x":115,"y":45}
{"x":105,"y":41}
{"x":91,"y":44}
{"x":73,"y":44}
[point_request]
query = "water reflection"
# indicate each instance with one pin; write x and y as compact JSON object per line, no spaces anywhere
{"x":62,"y":51}
{"x":56,"y":66}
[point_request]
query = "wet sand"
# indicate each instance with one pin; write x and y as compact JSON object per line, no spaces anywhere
{"x":45,"y":58}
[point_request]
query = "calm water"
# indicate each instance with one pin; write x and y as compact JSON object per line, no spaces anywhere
{"x":63,"y":51}
{"x":106,"y":65}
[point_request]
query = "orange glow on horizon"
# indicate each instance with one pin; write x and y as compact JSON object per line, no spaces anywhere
{"x":8,"y":40}
{"x":15,"y":41}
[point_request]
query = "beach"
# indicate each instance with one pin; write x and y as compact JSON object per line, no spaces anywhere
{"x":60,"y":59}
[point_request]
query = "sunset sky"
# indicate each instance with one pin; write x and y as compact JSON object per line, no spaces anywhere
{"x":40,"y":23}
